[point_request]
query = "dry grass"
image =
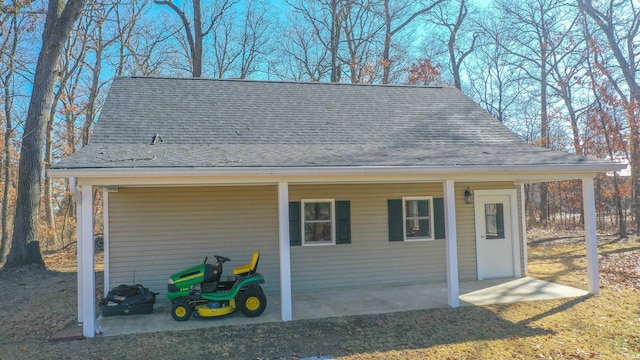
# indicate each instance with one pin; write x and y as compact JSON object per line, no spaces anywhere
{"x":36,"y":303}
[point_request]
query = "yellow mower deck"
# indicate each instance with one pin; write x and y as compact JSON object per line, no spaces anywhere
{"x":205,"y":311}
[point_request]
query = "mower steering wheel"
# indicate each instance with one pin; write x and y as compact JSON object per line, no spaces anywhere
{"x":221,"y":259}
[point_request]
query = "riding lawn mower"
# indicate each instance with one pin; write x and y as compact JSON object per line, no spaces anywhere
{"x":201,"y":290}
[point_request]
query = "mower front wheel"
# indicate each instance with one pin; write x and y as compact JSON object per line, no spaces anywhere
{"x":181,"y":310}
{"x":252,"y":302}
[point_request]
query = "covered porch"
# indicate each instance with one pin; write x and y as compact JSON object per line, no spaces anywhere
{"x":289,"y":305}
{"x":362,"y":301}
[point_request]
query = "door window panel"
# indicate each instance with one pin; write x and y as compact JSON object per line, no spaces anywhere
{"x":494,"y":220}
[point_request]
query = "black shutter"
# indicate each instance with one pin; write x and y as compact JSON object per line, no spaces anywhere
{"x":295,"y":225}
{"x":343,"y":222}
{"x":396,"y":228}
{"x":438,"y":220}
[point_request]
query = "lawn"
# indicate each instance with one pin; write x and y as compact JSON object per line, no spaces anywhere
{"x":37,"y":303}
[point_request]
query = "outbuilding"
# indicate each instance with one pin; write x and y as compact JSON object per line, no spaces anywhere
{"x":337,"y":185}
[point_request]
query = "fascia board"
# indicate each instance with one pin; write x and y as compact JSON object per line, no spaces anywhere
{"x":194,"y":176}
{"x":343,"y":170}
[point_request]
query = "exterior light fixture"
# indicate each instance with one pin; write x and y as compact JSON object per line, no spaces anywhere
{"x":468,"y":196}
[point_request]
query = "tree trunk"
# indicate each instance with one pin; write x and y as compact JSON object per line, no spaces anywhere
{"x":635,"y":180}
{"x":529,"y":208}
{"x":455,"y":69}
{"x":386,"y":50}
{"x":634,"y":156}
{"x":197,"y":33}
{"x":59,"y":21}
{"x":622,"y":222}
{"x":48,"y":160}
{"x":544,"y":122}
{"x":48,"y":185}
{"x":93,"y":96}
{"x":389,"y":32}
{"x":544,"y":199}
{"x":8,"y":113}
{"x":65,"y":220}
{"x":451,"y":44}
{"x":6,"y":191}
{"x":335,"y":40}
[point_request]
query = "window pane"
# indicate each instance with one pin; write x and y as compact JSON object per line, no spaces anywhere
{"x":416,"y":208}
{"x":413,"y":230}
{"x":425,"y":225}
{"x":423,"y":207}
{"x":418,"y":228}
{"x":317,"y":233}
{"x":317,"y":211}
{"x":494,"y":220}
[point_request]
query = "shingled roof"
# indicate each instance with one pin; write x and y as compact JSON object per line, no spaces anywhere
{"x":150,"y":122}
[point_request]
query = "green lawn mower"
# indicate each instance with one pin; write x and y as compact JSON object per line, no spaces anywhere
{"x":202,"y":291}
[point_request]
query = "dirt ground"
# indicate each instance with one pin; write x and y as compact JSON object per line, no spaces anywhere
{"x":36,"y":303}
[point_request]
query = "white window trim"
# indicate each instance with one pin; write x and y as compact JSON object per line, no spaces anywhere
{"x":333,"y":221}
{"x":431,"y":219}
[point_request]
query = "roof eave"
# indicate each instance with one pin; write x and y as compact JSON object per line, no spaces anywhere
{"x":560,"y":169}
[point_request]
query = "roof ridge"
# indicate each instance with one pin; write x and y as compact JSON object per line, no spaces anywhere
{"x":292,"y":82}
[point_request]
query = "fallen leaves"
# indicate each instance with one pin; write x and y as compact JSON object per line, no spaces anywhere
{"x":621,"y":270}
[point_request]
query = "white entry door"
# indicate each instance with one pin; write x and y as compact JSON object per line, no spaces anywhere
{"x":497,"y":240}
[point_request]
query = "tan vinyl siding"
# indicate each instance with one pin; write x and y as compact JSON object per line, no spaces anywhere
{"x":155,"y":232}
{"x":466,"y":231}
{"x":370,"y":259}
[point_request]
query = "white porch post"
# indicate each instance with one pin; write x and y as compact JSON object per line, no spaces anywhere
{"x":523,"y":208}
{"x":105,"y":239}
{"x":286,"y":310}
{"x":591,"y":238}
{"x":78,"y":201}
{"x":451,"y":243}
{"x":87,"y":272}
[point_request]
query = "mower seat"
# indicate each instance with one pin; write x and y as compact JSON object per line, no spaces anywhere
{"x":248,"y":269}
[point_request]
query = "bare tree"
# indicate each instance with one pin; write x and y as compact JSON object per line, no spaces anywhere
{"x":303,"y":56}
{"x":127,"y":18}
{"x":195,"y":28}
{"x":495,"y":82}
{"x":605,"y":118}
{"x":361,"y":27}
{"x":325,"y":18}
{"x":242,"y":41}
{"x":404,"y":12}
{"x":567,"y":71}
{"x":224,"y":53}
{"x":24,"y":246}
{"x":537,"y":30}
{"x":100,"y":39}
{"x":71,"y":62}
{"x":453,"y":23}
{"x":254,"y":39}
{"x":9,"y":47}
{"x":146,"y":49}
{"x":619,"y":22}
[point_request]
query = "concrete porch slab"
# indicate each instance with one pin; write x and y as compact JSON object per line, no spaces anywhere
{"x":344,"y":302}
{"x":524,"y":289}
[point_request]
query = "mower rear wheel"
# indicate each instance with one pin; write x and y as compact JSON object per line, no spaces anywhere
{"x":252,"y":302}
{"x":181,"y":310}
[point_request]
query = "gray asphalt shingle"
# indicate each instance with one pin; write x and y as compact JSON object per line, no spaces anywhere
{"x":231,"y":123}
